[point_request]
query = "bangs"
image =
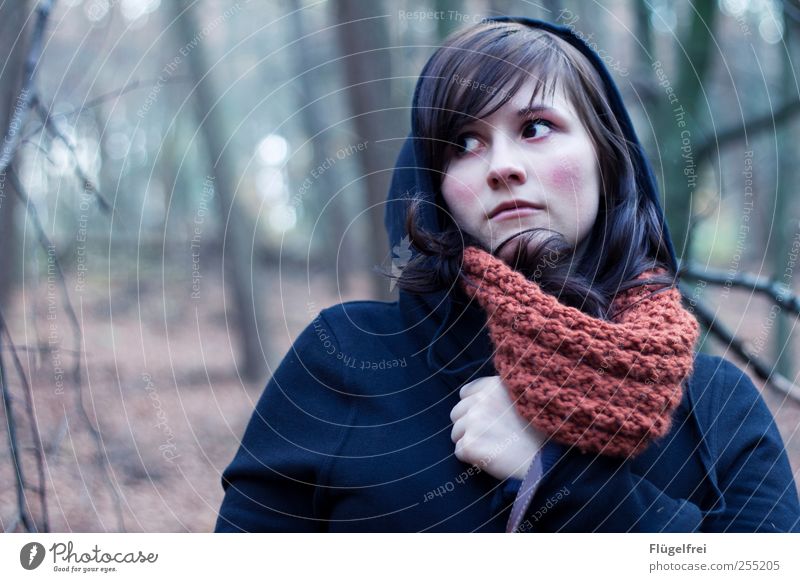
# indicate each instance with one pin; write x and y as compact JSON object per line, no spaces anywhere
{"x":479,"y":71}
{"x":482,"y":82}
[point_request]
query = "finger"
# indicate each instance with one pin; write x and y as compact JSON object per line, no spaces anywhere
{"x":459,"y":450}
{"x":467,"y":389}
{"x":463,"y":407}
{"x":459,"y":430}
{"x":462,"y":452}
{"x":473,"y":387}
{"x":465,"y":451}
{"x":479,"y":385}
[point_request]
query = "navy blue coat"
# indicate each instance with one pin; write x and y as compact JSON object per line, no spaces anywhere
{"x":352,"y":432}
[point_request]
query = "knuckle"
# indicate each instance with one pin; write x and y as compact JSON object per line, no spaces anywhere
{"x":473,"y":417}
{"x":465,"y":390}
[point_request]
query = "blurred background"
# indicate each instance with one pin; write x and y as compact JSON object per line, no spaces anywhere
{"x":185,"y":184}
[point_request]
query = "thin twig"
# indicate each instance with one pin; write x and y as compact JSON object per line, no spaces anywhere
{"x":50,"y":126}
{"x":26,"y":99}
{"x":8,"y":151}
{"x":44,"y":241}
{"x":16,"y":459}
{"x":135,"y":84}
{"x":37,"y":438}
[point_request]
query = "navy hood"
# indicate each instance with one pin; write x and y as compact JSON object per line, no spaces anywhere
{"x":459,"y":344}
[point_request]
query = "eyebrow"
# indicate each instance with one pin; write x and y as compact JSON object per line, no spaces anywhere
{"x":523,"y":112}
{"x":534,"y":109}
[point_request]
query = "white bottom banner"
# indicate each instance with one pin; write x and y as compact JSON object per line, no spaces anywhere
{"x":355,"y":557}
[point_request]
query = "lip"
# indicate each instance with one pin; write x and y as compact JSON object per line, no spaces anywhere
{"x":513,"y":209}
{"x":514,"y":213}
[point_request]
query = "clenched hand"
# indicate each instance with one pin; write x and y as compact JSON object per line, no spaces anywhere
{"x":489,"y":432}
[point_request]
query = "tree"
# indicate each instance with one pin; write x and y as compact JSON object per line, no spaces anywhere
{"x":361,"y":31}
{"x":13,"y":46}
{"x":238,"y":229}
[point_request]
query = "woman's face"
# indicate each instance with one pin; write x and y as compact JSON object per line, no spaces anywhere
{"x":542,"y":161}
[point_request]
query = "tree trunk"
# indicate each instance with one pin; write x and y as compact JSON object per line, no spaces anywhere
{"x":13,"y":46}
{"x":692,"y":69}
{"x":237,"y":228}
{"x":785,"y":228}
{"x":367,"y":77}
{"x":315,"y":121}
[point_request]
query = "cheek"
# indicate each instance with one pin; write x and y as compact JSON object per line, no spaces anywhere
{"x":575,"y":180}
{"x":459,"y":197}
{"x":575,"y":183}
{"x":568,"y":175}
{"x":456,"y":192}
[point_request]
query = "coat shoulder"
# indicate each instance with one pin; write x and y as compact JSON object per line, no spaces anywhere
{"x":362,"y":316}
{"x":719,"y":391}
{"x":709,"y":375}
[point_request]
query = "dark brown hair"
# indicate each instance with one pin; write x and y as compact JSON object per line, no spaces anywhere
{"x":474,"y":73}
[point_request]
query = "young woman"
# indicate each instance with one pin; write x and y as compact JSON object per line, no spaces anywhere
{"x":538,"y":345}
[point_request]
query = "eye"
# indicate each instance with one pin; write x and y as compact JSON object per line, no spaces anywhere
{"x":529,"y":130}
{"x":465,"y":144}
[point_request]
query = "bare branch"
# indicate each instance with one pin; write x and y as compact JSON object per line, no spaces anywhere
{"x":44,"y":241}
{"x":37,"y":439}
{"x":764,"y":371}
{"x":91,"y":103}
{"x":8,"y":151}
{"x":753,"y":126}
{"x":777,"y":292}
{"x":87,"y":183}
{"x":23,"y":103}
{"x":16,"y":459}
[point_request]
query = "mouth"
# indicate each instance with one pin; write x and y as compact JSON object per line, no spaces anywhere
{"x":513,"y":209}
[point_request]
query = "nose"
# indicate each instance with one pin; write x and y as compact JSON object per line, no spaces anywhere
{"x":505,"y":167}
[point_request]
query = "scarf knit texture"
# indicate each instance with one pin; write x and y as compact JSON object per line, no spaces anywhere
{"x":608,"y":387}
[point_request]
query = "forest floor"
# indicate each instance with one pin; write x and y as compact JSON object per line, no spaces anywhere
{"x":160,"y":387}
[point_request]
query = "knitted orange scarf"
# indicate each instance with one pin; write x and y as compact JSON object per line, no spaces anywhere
{"x":608,"y":387}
